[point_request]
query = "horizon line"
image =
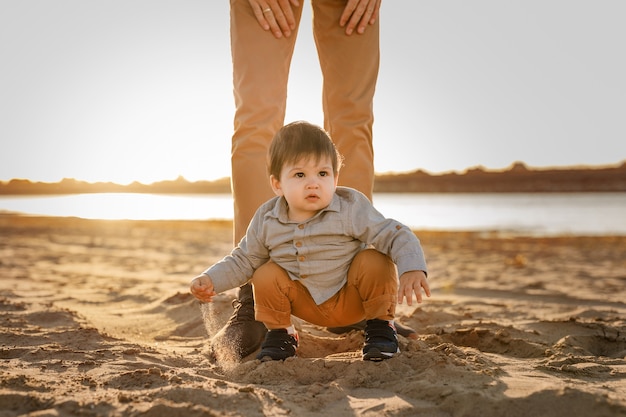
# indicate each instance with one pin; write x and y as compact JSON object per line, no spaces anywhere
{"x":513,"y":165}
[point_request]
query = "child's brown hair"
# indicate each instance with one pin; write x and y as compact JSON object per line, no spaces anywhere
{"x":298,"y":140}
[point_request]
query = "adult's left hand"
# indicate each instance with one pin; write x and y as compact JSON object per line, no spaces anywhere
{"x":358,"y":14}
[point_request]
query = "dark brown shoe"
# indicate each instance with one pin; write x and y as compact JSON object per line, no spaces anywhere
{"x":242,"y":335}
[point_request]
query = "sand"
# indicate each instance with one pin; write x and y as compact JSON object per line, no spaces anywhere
{"x":97,"y":320}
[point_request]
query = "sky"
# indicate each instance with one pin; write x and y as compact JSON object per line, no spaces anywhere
{"x":141,"y":90}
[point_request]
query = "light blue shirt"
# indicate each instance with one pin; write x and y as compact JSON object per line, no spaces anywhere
{"x":317,"y":252}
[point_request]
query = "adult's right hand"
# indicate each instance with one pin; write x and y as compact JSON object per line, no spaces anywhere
{"x":358,"y":14}
{"x":275,"y":15}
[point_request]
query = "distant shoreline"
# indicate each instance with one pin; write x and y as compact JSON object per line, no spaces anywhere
{"x":517,"y":178}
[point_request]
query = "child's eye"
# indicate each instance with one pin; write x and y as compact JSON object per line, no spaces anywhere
{"x":299,"y":175}
{"x":324,"y":173}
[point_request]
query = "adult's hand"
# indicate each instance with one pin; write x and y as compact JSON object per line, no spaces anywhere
{"x":358,"y":14}
{"x":275,"y":15}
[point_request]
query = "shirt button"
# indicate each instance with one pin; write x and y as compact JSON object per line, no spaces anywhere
{"x":300,"y":226}
{"x":398,"y":227}
{"x":303,"y":276}
{"x":301,"y":258}
{"x":298,"y":244}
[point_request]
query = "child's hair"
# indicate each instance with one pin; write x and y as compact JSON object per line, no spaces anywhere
{"x":298,"y":140}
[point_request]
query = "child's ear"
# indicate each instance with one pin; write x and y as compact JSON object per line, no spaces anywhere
{"x":275,"y":183}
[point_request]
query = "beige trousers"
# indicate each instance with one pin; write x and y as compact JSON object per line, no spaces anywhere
{"x":349,"y":66}
{"x":370,"y":293}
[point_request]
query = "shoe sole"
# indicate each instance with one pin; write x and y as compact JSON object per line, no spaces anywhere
{"x":374,"y":354}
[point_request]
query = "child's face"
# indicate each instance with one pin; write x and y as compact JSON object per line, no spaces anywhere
{"x":307,"y":185}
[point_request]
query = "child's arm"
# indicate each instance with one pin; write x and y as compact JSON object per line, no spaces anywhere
{"x":412,"y":282}
{"x":202,"y":288}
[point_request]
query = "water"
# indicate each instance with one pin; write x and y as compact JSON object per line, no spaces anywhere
{"x":132,"y":206}
{"x":523,"y":213}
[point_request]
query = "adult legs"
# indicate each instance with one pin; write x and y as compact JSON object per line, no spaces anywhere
{"x":260,"y":77}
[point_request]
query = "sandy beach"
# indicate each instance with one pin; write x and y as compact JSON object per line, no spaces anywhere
{"x":97,"y":320}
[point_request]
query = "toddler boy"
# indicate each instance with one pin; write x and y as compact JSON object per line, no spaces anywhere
{"x":319,"y":252}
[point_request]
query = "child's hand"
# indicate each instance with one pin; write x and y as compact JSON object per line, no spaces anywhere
{"x":412,"y":282}
{"x":202,"y":288}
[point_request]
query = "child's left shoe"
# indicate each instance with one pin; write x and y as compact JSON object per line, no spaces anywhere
{"x":381,"y":340}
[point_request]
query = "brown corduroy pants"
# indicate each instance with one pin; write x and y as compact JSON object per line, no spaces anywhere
{"x":370,"y":293}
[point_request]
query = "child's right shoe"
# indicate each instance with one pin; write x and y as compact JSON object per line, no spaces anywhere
{"x":278,"y":346}
{"x":381,"y":341}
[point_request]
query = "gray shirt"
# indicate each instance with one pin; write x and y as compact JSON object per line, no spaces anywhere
{"x":317,"y":252}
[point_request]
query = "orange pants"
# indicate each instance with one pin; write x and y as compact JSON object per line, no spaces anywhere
{"x":370,"y":293}
{"x":261,"y":64}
